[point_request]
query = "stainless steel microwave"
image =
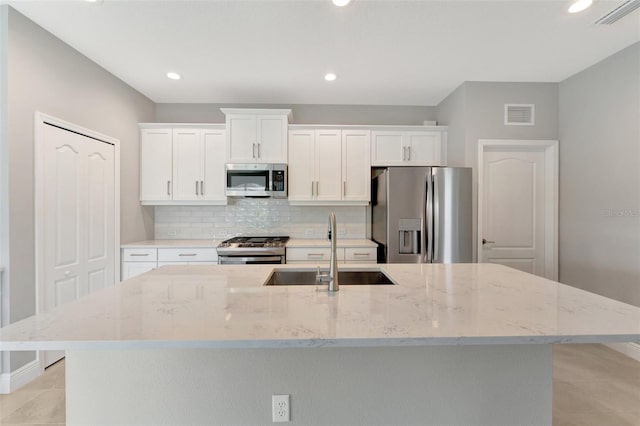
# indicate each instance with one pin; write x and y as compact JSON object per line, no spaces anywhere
{"x":256,"y":180}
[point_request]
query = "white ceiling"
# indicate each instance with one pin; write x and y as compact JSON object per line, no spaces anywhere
{"x":384,"y":52}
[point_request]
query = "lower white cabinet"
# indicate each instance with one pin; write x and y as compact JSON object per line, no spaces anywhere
{"x":136,"y":261}
{"x":322,"y":255}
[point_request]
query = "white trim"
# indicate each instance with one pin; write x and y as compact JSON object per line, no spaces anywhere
{"x":41,"y":120}
{"x":632,"y":350}
{"x":9,"y":382}
{"x":551,"y":153}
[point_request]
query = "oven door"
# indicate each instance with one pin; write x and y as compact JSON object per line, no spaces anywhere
{"x":250,"y":260}
{"x":248,"y":180}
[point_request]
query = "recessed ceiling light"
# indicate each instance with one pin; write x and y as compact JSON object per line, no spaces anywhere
{"x":341,"y":2}
{"x":330,"y":76}
{"x":580,"y":5}
{"x":173,"y":76}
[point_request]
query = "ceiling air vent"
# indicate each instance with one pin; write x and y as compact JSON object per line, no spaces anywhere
{"x":519,"y":114}
{"x":619,"y":12}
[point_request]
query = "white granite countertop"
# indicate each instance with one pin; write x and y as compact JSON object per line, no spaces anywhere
{"x":227,"y":307}
{"x":293,"y":242}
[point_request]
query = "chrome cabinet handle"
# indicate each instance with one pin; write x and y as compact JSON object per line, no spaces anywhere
{"x":253,"y":150}
{"x":485,"y":241}
{"x":201,"y":187}
{"x":409,"y":153}
{"x":404,"y":153}
{"x":168,"y":187}
{"x":312,"y":191}
{"x":344,"y":188}
{"x":197,"y":188}
{"x":362,"y":254}
{"x":187,"y":254}
{"x":315,"y":254}
{"x":258,"y":149}
{"x":139,"y":254}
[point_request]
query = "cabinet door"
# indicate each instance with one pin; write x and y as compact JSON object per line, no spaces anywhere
{"x":387,"y":149}
{"x":214,"y":184}
{"x":328,"y":165}
{"x":424,"y":148}
{"x":271,"y":139}
{"x":356,"y":165}
{"x":241,"y":138}
{"x":187,"y":164}
{"x":131,"y":269}
{"x":301,"y":168}
{"x":156,"y":164}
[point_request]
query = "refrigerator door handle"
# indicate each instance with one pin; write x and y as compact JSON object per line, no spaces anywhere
{"x":428,"y":216}
{"x":436,"y":219}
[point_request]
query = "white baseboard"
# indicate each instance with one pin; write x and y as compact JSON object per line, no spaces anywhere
{"x":631,"y":350}
{"x":9,"y":382}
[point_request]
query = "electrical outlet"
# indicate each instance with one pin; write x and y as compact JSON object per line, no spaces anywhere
{"x":172,"y":233}
{"x":280,"y":408}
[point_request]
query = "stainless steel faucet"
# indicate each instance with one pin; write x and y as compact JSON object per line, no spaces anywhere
{"x":332,"y":277}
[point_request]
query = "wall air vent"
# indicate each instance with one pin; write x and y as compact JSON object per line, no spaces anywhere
{"x":619,"y":12}
{"x":519,"y":114}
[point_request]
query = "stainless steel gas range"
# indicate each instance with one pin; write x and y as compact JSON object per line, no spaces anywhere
{"x":252,"y":250}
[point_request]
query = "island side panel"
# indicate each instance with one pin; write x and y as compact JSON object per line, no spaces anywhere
{"x":474,"y":385}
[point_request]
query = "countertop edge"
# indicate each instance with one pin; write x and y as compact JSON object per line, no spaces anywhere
{"x":316,"y":343}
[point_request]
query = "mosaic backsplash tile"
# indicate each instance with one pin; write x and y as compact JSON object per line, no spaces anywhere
{"x":251,"y":216}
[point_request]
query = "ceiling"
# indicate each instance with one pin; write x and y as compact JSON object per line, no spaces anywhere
{"x":383,"y":52}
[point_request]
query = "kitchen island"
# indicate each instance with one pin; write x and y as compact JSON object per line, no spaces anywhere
{"x":448,"y":344}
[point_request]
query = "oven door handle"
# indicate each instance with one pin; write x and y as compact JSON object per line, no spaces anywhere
{"x":237,"y":260}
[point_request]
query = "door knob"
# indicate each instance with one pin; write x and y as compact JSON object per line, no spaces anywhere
{"x":485,"y":241}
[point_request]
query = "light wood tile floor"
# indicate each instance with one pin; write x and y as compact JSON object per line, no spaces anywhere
{"x":592,"y":386}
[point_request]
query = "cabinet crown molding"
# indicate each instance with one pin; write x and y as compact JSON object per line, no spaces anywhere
{"x":182,"y":125}
{"x":258,"y":111}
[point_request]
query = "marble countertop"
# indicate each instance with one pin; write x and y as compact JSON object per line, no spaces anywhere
{"x":293,"y":242}
{"x":224,"y":306}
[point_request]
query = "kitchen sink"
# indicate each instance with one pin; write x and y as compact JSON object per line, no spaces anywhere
{"x":346,"y":277}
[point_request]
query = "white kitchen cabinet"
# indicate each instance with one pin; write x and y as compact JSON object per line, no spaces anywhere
{"x":156,"y":167}
{"x":136,"y":261}
{"x":329,"y":166}
{"x":407,"y":148}
{"x":182,"y":165}
{"x":256,"y":135}
{"x":322,"y":255}
{"x":356,"y":165}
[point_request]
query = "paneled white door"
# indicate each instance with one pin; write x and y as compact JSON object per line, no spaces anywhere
{"x":513,"y":209}
{"x":78,"y":181}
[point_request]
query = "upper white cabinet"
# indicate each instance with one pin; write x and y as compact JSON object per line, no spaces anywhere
{"x":182,"y":165}
{"x":256,"y":135}
{"x":408,"y":148}
{"x":329,"y":166}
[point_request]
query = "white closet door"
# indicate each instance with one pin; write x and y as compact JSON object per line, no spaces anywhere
{"x":78,"y":208}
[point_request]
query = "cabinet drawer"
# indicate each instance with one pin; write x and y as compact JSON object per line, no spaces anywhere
{"x":360,"y":254}
{"x":187,"y":255}
{"x":139,"y":255}
{"x":312,"y":254}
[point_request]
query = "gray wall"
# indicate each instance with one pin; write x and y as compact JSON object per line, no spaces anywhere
{"x":451,"y":112}
{"x":600,"y":177}
{"x":475,"y":111}
{"x":44,"y":74}
{"x":303,"y":114}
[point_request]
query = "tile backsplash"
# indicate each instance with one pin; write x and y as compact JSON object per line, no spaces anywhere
{"x":252,"y":216}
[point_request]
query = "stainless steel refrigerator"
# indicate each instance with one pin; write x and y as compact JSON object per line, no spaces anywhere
{"x":422,"y":214}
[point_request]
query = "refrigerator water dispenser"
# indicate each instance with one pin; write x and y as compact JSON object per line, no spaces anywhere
{"x":409,"y":236}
